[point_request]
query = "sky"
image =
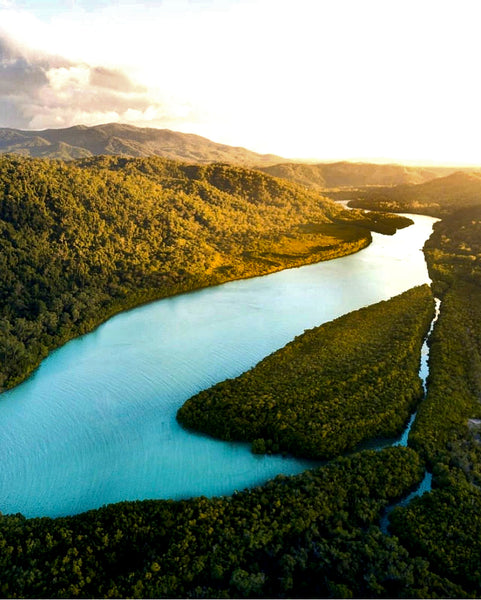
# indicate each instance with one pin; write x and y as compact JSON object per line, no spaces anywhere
{"x":366,"y":80}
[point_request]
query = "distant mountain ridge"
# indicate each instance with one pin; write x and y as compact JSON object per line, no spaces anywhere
{"x":347,"y":174}
{"x":438,"y":198}
{"x":81,"y":141}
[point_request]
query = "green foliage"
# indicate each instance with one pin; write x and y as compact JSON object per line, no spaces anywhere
{"x":447,"y":426}
{"x":311,"y":535}
{"x":444,"y":527}
{"x":332,"y":387}
{"x":81,"y":241}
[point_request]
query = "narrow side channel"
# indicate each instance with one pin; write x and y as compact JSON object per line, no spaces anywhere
{"x":425,"y":485}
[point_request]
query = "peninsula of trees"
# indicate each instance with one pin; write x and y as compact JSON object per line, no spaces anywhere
{"x":334,"y":386}
{"x":85,"y":239}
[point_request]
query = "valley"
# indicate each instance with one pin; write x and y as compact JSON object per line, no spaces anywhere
{"x":82,"y":241}
{"x":86,"y":239}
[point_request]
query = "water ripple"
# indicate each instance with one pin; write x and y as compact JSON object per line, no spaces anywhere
{"x":96,"y":422}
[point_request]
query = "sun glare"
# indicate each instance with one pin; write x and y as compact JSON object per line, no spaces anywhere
{"x":327,"y":80}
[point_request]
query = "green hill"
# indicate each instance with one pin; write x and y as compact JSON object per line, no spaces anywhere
{"x":81,"y":241}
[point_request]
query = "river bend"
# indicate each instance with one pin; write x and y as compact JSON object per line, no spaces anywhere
{"x":95,"y":424}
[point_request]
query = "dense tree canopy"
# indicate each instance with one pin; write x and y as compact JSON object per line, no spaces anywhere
{"x":312,"y":535}
{"x":338,"y":384}
{"x":81,"y":241}
{"x":443,"y":526}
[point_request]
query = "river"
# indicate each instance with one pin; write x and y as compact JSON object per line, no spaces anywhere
{"x":96,"y":424}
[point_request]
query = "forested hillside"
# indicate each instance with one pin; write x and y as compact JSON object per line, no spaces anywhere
{"x":79,"y":242}
{"x":334,"y":386}
{"x":438,"y":198}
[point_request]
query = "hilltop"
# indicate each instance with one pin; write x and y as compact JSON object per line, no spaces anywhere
{"x":81,"y":141}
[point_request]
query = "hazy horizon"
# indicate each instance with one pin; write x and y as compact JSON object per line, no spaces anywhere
{"x":306,"y":160}
{"x":321,"y":80}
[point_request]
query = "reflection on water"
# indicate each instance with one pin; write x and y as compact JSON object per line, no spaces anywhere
{"x":96,"y":423}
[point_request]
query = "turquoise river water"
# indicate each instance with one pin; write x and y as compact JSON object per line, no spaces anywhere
{"x":96,"y":424}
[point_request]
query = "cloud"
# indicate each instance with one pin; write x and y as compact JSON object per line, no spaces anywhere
{"x":18,"y":77}
{"x":114,"y":79}
{"x":330,"y":80}
{"x":38,"y":91}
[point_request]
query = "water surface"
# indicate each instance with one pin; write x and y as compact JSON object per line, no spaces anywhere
{"x":96,"y":424}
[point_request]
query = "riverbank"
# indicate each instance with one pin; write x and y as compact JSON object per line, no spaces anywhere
{"x":333,"y":387}
{"x":96,"y":424}
{"x":84,"y":240}
{"x":313,"y":535}
{"x":311,"y":249}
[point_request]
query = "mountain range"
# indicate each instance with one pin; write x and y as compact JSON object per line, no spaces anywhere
{"x":81,"y":141}
{"x":349,"y":174}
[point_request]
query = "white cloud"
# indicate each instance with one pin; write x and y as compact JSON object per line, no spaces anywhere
{"x":38,"y":90}
{"x":325,"y":78}
{"x":61,"y":78}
